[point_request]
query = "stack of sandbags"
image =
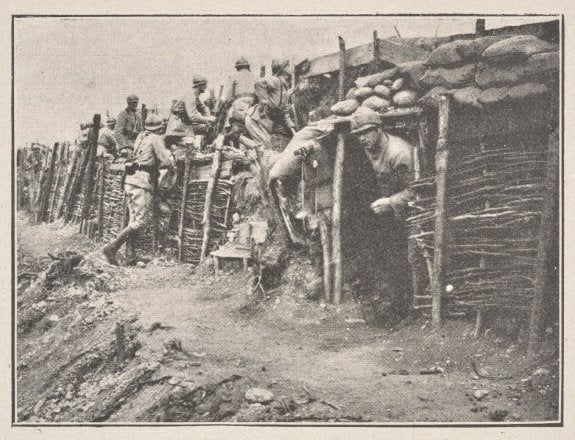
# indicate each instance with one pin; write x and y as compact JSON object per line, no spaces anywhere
{"x":383,"y":91}
{"x":490,"y":70}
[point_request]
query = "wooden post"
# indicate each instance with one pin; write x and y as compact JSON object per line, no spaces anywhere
{"x":187,"y":166}
{"x":375,"y":65}
{"x":20,"y":160}
{"x":144,"y":115}
{"x":120,"y":343}
{"x":342,"y":66}
{"x":57,"y":172}
{"x":342,"y":130}
{"x":67,"y":180}
{"x":209,"y":196}
{"x":480,"y":26}
{"x":262,"y":71}
{"x":326,"y":251}
{"x":46,"y":185}
{"x":101,"y":198}
{"x":89,"y":174}
{"x":441,"y":214}
{"x":548,"y":228}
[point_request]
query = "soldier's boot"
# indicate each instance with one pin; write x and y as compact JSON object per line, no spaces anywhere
{"x":111,"y":248}
{"x":131,"y":258}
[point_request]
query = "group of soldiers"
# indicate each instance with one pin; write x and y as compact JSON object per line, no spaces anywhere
{"x":256,"y":108}
{"x":252,"y":106}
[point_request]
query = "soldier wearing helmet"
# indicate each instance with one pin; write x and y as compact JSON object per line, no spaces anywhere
{"x":128,"y":125}
{"x":150,"y":165}
{"x":391,"y":158}
{"x":240,"y":96}
{"x":106,"y":138}
{"x":272,"y":109}
{"x":189,"y":115}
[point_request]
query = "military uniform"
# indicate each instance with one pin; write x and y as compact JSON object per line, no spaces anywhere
{"x":240,"y":94}
{"x":106,"y":142}
{"x":272,"y":109}
{"x":128,"y":125}
{"x":150,"y":157}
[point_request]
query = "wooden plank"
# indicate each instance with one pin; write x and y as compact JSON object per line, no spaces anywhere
{"x":342,"y":64}
{"x":101,"y":198}
{"x":441,"y":214}
{"x":90,"y":168}
{"x":206,"y":221}
{"x":548,"y":228}
{"x":342,"y":130}
{"x":70,"y":172}
{"x":187,"y":166}
{"x":389,"y":52}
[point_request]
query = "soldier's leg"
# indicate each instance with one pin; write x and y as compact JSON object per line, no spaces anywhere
{"x":111,"y":248}
{"x":259,"y":130}
{"x":140,"y":217}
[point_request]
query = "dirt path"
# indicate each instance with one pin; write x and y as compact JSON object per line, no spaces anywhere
{"x":296,"y":348}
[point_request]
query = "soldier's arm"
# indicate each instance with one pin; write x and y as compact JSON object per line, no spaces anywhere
{"x":162,"y":153}
{"x":195,"y":116}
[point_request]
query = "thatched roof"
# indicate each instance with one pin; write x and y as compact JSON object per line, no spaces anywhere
{"x":390,"y":53}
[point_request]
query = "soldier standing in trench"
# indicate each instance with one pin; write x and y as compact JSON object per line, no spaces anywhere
{"x":272,"y":108}
{"x":150,"y":164}
{"x":128,"y":125}
{"x":391,"y":158}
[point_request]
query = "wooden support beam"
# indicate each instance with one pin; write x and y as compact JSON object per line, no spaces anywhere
{"x":548,"y":228}
{"x":441,"y":215}
{"x":214,"y":174}
{"x":342,"y":68}
{"x":70,"y":172}
{"x":376,"y":58}
{"x":101,"y":198}
{"x":181,"y":221}
{"x":342,"y":130}
{"x":90,"y":168}
{"x":326,"y":253}
{"x":262,"y":71}
{"x":480,"y":26}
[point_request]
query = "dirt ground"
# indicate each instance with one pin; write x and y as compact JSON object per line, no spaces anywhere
{"x":171,"y":343}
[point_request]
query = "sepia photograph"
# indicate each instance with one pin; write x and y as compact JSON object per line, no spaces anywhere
{"x":271,"y":220}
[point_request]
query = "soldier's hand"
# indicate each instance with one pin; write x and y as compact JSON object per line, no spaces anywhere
{"x":212,"y":119}
{"x":307,"y":149}
{"x":381,"y":205}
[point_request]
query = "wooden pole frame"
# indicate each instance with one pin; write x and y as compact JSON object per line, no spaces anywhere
{"x":70,"y":172}
{"x":101,"y":198}
{"x":342,"y":130}
{"x":376,"y":57}
{"x":206,"y":220}
{"x":342,"y":69}
{"x":441,"y":215}
{"x":549,"y":220}
{"x":89,"y":174}
{"x":187,"y":166}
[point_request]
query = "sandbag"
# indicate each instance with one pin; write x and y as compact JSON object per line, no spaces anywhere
{"x":515,"y":48}
{"x":405,"y":98}
{"x":350,"y":93}
{"x":484,"y":42}
{"x":387,"y":82}
{"x":397,"y":85}
{"x":453,"y":53}
{"x":450,"y":78}
{"x":376,"y":78}
{"x":494,"y":95}
{"x":363,"y":92}
{"x":527,"y":90}
{"x":382,"y":91}
{"x":468,"y":96}
{"x":431,"y":98}
{"x":344,"y":108}
{"x":287,"y":163}
{"x":413,"y":70}
{"x":376,"y":103}
{"x":539,"y":66}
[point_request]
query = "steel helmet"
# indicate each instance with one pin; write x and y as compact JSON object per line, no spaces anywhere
{"x":199,"y":80}
{"x":242,"y":62}
{"x":111,"y":120}
{"x":133,"y":98}
{"x":153,"y":122}
{"x":364,"y":119}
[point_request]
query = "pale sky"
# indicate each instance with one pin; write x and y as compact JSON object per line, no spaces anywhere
{"x":67,"y":69}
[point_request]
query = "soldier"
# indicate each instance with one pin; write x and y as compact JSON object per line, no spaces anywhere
{"x":240,"y":96}
{"x":189,"y":115}
{"x":150,"y":164}
{"x":272,"y":108}
{"x":106,"y":138}
{"x":128,"y":125}
{"x":392,"y":161}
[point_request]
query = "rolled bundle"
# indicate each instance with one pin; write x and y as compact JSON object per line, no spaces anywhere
{"x":451,"y":78}
{"x":376,"y":103}
{"x":513,"y":49}
{"x":344,"y":108}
